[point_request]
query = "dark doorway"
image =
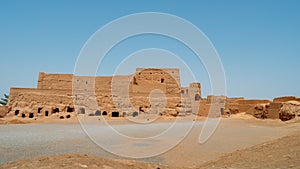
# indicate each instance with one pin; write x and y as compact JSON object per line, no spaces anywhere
{"x":31,"y":115}
{"x":115,"y":114}
{"x":61,"y":117}
{"x":222,"y":110}
{"x":197,"y":97}
{"x":82,"y":110}
{"x":39,"y":110}
{"x":162,"y":80}
{"x":104,"y":113}
{"x":68,"y":116}
{"x":23,"y":115}
{"x":134,"y":114}
{"x":140,"y":109}
{"x":70,"y":109}
{"x":97,"y":113}
{"x":17,"y":112}
{"x":56,"y":110}
{"x":46,"y":113}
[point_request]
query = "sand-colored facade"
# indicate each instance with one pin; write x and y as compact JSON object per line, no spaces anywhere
{"x":263,"y":109}
{"x":65,"y":94}
{"x":147,"y":91}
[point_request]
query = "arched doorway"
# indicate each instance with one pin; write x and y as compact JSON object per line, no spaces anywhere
{"x":104,"y":113}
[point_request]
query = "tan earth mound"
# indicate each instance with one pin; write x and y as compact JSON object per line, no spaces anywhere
{"x":77,"y":161}
{"x":289,"y":110}
{"x":280,"y":153}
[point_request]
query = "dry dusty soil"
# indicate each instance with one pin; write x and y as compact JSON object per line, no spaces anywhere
{"x":238,"y":143}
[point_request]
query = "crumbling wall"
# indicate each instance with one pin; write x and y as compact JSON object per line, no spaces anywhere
{"x":55,"y":81}
{"x":246,"y":105}
{"x":145,"y":80}
{"x":38,"y":102}
{"x":204,"y":107}
{"x":105,"y":95}
{"x":3,"y":111}
{"x":285,"y":99}
{"x":280,"y":108}
{"x":56,"y":92}
{"x":212,"y":106}
{"x":260,"y":111}
{"x":273,"y":110}
{"x":232,"y":106}
{"x":289,"y":110}
{"x":227,"y":106}
{"x":168,"y":80}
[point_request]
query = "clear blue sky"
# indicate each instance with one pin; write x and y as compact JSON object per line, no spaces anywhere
{"x":258,"y":41}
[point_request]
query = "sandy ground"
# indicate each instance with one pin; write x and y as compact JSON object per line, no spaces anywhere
{"x":279,"y":153}
{"x":240,"y":141}
{"x":74,"y":161}
{"x":110,"y":120}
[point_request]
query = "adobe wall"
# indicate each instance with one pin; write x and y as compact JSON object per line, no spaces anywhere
{"x":204,"y":108}
{"x":56,"y":94}
{"x":270,"y":110}
{"x":285,"y":99}
{"x":39,"y":102}
{"x":212,"y":106}
{"x":3,"y":111}
{"x":55,"y":81}
{"x":273,"y":110}
{"x":168,"y":80}
{"x":246,"y":105}
{"x":267,"y":109}
{"x":224,"y":105}
{"x":232,"y":105}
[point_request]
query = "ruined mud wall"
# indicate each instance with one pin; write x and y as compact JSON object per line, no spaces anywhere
{"x":285,"y":99}
{"x":3,"y":111}
{"x":143,"y":81}
{"x":227,"y":106}
{"x":39,"y":102}
{"x":289,"y":110}
{"x":190,"y":99}
{"x":56,"y":92}
{"x":55,"y":81}
{"x":273,"y":110}
{"x":204,"y":107}
{"x":213,"y":106}
{"x":246,"y":105}
{"x":232,"y":105}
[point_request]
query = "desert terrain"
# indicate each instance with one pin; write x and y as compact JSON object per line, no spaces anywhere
{"x":240,"y":141}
